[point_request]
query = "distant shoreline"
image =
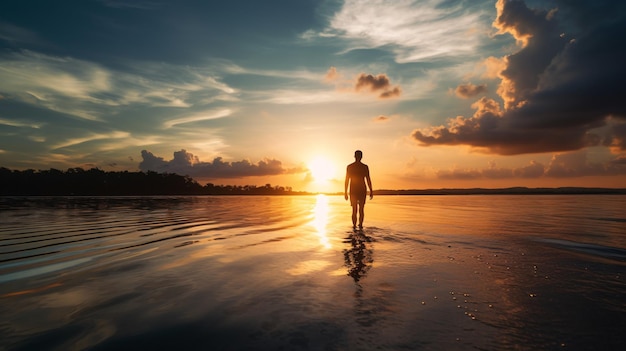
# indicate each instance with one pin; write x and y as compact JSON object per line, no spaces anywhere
{"x":381,"y":192}
{"x":506,"y":191}
{"x":96,"y":182}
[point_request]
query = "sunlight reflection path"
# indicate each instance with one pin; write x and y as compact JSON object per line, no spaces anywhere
{"x":320,"y":219}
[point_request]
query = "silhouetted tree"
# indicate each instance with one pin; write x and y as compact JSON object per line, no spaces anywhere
{"x":77,"y":181}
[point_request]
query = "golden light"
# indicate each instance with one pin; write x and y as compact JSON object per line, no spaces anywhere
{"x":320,"y":219}
{"x":322,"y":169}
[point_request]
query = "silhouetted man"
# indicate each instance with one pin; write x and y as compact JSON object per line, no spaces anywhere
{"x":356,"y":175}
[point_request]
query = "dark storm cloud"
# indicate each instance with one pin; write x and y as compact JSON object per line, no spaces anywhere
{"x":469,"y":90}
{"x":379,"y":84}
{"x":558,"y":90}
{"x":185,"y":163}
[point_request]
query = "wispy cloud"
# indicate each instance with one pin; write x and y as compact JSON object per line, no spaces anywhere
{"x":90,"y":91}
{"x":22,"y":123}
{"x":196,"y":117}
{"x":232,"y":68}
{"x":91,"y":137}
{"x":415,"y":30}
{"x":298,"y":97}
{"x":49,"y":82}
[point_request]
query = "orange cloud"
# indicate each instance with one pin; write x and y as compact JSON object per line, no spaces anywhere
{"x":505,"y":24}
{"x":331,"y":74}
{"x":493,"y":67}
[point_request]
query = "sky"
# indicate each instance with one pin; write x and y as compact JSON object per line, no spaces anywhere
{"x":436,"y":93}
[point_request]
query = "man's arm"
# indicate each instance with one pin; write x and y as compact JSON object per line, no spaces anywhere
{"x":345,"y":186}
{"x":369,"y":183}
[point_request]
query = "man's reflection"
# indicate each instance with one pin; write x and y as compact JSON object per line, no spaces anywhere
{"x":358,"y":258}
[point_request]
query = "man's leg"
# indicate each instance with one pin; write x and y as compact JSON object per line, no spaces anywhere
{"x":354,"y":206}
{"x":361,"y":214}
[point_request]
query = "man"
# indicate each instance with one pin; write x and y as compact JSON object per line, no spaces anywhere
{"x":356,"y":175}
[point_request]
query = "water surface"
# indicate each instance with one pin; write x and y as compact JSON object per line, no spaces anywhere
{"x":472,"y":272}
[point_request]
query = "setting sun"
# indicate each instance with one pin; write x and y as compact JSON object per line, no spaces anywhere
{"x":322,"y":169}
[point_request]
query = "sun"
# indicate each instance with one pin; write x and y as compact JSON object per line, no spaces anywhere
{"x":321,"y":169}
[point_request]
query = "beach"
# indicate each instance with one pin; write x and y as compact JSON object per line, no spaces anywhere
{"x":488,"y":272}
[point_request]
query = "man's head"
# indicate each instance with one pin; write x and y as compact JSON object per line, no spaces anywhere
{"x":358,"y":155}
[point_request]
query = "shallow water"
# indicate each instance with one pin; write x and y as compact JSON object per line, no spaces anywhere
{"x":270,"y":273}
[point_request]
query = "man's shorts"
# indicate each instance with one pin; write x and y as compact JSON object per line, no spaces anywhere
{"x":358,"y":198}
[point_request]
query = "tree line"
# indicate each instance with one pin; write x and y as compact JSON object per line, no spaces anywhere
{"x":96,"y":182}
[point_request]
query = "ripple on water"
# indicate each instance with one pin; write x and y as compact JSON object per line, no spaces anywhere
{"x":430,"y":272}
{"x":49,"y":235}
{"x":601,"y":251}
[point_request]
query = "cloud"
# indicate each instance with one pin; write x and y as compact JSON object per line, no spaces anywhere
{"x":297,"y":97}
{"x":575,"y":164}
{"x":460,"y":174}
{"x":615,"y":137}
{"x":93,"y":92}
{"x":91,"y":137}
{"x":414,"y":30}
{"x":533,"y":170}
{"x":331,"y":74}
{"x":20,"y":123}
{"x":381,"y":118}
{"x":379,"y":84}
{"x":231,"y":68}
{"x":557,"y":90}
{"x":203,"y":116}
{"x":185,"y":163}
{"x":469,"y":90}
